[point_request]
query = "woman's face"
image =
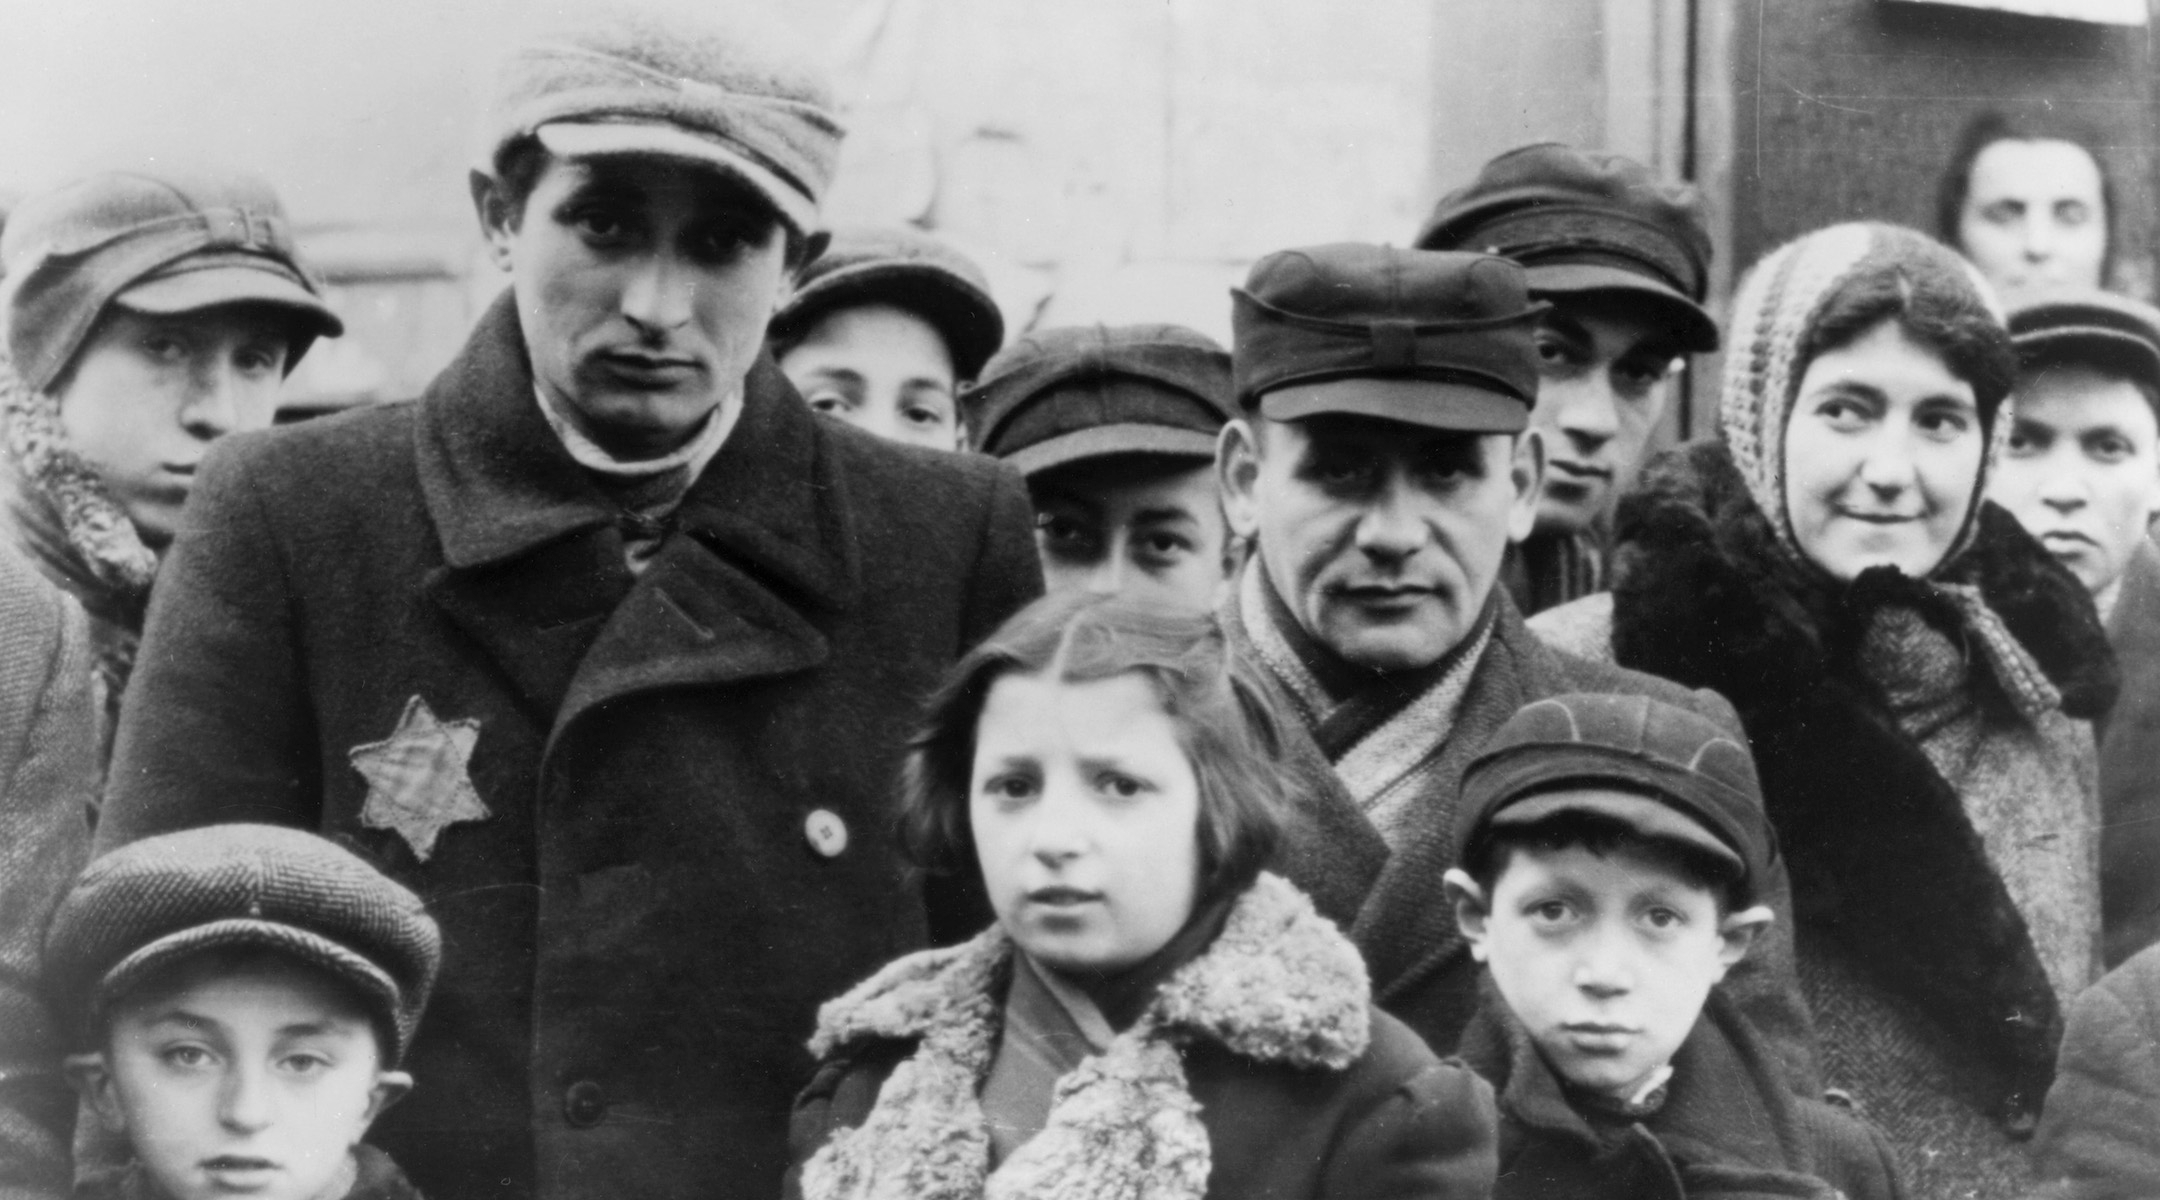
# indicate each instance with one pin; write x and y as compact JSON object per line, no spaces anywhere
{"x":1882,"y":456}
{"x":2035,"y":219}
{"x":1086,"y":818}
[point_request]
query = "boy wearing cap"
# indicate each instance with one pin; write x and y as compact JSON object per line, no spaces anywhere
{"x":1612,"y":854}
{"x":1622,"y":261}
{"x":883,"y":329}
{"x":1380,"y":469}
{"x":1115,"y":430}
{"x":245,"y":994}
{"x":149,"y":313}
{"x":607,"y":647}
{"x":2081,"y":472}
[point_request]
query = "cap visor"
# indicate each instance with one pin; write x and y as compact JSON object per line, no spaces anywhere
{"x":1698,"y":333}
{"x":364,"y":976}
{"x":187,"y":291}
{"x":2108,"y":348}
{"x":1433,"y":403}
{"x":594,"y":139}
{"x":1650,"y":817}
{"x":1103,"y":441}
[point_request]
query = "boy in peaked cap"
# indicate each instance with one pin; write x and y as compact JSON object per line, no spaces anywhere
{"x":246,"y":994}
{"x":1622,"y":261}
{"x":1612,"y":852}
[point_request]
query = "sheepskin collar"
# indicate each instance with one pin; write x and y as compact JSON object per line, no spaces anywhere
{"x":1279,"y":985}
{"x":65,"y":516}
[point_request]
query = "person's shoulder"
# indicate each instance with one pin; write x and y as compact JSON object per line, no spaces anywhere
{"x":1582,"y":627}
{"x":30,"y":604}
{"x":1399,"y":1061}
{"x":1592,"y":675}
{"x":877,"y":467}
{"x":1847,"y":1152}
{"x":2129,"y":995}
{"x":357,"y":442}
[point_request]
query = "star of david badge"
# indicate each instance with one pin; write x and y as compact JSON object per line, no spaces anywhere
{"x":418,"y":780}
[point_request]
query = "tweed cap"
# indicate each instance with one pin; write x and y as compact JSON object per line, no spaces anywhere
{"x":1090,"y":391}
{"x":909,"y":270}
{"x":1587,"y":223}
{"x":155,"y":240}
{"x":154,"y":902}
{"x":1664,"y":771}
{"x":2105,"y":330}
{"x":711,"y":81}
{"x":1439,"y":339}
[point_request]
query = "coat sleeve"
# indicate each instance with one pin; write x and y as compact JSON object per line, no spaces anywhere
{"x":2097,"y":1134}
{"x":1431,"y":1137}
{"x":50,"y":779}
{"x":1008,"y":574}
{"x":215,"y":724}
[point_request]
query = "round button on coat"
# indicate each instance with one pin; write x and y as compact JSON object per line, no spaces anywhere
{"x":827,"y":833}
{"x":584,"y":1104}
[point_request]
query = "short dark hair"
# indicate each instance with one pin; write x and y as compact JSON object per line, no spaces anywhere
{"x":1991,"y":126}
{"x":520,"y":162}
{"x":1225,"y":712}
{"x":1488,"y":854}
{"x":1936,"y":299}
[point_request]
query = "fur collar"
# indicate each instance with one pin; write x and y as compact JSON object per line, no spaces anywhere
{"x":1884,"y":862}
{"x":65,"y":515}
{"x":1280,"y":985}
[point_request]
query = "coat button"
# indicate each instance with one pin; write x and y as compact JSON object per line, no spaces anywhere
{"x":826,"y":831}
{"x":584,"y":1105}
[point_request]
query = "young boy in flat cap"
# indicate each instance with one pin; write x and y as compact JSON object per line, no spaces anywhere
{"x":2081,"y":472}
{"x":1612,"y":851}
{"x":883,"y":329}
{"x":1622,"y":260}
{"x":1115,"y":430}
{"x":608,"y":646}
{"x":245,"y":994}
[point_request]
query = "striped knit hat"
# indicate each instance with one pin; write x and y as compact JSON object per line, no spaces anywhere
{"x":1775,"y":314}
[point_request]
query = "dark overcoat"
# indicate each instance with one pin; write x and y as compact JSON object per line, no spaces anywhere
{"x":2130,"y":766}
{"x":677,"y":838}
{"x":2099,"y":1136}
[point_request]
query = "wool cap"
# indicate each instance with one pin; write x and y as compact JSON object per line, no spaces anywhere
{"x":1776,"y":312}
{"x":1090,"y":391}
{"x":1587,"y":223}
{"x":1444,"y":339}
{"x":2105,"y":330}
{"x":155,"y":240}
{"x":712,"y":81}
{"x":1664,"y":771}
{"x":151,"y":903}
{"x":907,"y":269}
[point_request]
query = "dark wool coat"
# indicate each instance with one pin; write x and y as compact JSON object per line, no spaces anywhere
{"x":2099,"y":1137}
{"x":1729,"y":1127}
{"x":677,"y":838}
{"x":1392,"y":902}
{"x":1886,"y":866}
{"x":48,"y":782}
{"x":2130,"y":766}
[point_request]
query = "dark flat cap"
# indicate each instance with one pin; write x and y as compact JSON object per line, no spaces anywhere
{"x":909,"y":270}
{"x":1586,"y":223}
{"x":1444,"y":339}
{"x":151,"y":903}
{"x":1091,"y":391}
{"x":2089,"y":326}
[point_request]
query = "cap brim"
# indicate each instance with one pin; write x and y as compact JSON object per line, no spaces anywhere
{"x":1102,"y":441}
{"x":595,"y":139}
{"x":2112,"y":348}
{"x":1648,"y":816}
{"x":188,"y":291}
{"x":1433,"y":403}
{"x":1698,"y":332}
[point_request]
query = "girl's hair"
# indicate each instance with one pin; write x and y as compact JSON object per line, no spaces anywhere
{"x":1991,"y":126}
{"x":1223,"y":709}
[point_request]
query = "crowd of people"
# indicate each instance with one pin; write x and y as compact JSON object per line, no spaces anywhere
{"x":754,"y":728}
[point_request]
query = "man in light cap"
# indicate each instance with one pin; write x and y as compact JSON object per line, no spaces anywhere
{"x":1382,"y":467}
{"x":606,"y":647}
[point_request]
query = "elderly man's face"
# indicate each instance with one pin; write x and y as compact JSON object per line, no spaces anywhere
{"x":643,"y":285}
{"x":1383,"y":538}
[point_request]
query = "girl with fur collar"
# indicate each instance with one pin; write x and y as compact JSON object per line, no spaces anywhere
{"x":1909,"y":666}
{"x":1151,"y":1017}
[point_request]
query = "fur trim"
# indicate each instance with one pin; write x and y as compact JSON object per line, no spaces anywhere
{"x":98,"y":529}
{"x":1278,"y":985}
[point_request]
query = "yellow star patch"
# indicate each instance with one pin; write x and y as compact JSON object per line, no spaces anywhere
{"x":419,"y":781}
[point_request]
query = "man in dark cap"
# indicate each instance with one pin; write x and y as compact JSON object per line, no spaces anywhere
{"x":1622,"y":261}
{"x":606,"y":647}
{"x":1382,"y":471}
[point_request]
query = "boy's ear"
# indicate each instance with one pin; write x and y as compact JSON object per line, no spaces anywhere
{"x":1237,"y":470}
{"x":92,"y":1079}
{"x":1739,"y":932}
{"x":1471,"y":908}
{"x":390,"y":1087}
{"x":1527,"y":472}
{"x":497,"y":220}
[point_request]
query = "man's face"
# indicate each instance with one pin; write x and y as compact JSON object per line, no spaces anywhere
{"x":2035,"y":218}
{"x":644,"y":285}
{"x":1601,"y":370}
{"x":148,"y":394}
{"x":1383,"y":537}
{"x":1138,"y":525}
{"x":2082,"y":471}
{"x":881,"y":368}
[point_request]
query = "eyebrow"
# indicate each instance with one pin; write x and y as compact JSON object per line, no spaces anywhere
{"x":1153,"y":516}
